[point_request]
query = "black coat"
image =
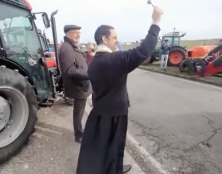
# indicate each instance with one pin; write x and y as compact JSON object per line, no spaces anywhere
{"x":108,"y":75}
{"x":74,"y":71}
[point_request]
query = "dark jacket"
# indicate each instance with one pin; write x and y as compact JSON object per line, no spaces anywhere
{"x":108,"y":74}
{"x":74,"y":71}
{"x":165,"y":49}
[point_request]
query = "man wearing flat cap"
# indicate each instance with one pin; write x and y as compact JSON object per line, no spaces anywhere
{"x":76,"y":82}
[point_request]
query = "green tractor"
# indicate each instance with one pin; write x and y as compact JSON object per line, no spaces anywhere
{"x":26,"y":84}
{"x":177,"y":53}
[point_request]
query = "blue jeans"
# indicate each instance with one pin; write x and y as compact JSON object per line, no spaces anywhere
{"x":164,"y":61}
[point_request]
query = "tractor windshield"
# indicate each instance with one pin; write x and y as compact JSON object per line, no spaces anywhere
{"x":170,"y":39}
{"x":18,"y":33}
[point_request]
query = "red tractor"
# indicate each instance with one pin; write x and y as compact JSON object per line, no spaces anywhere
{"x":27,"y":82}
{"x":208,"y":65}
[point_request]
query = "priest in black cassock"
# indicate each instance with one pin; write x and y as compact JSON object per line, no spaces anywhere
{"x":103,"y":143}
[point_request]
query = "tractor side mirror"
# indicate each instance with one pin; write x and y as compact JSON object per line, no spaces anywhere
{"x":45,"y":19}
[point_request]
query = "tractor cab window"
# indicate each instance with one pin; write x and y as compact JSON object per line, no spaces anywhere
{"x":170,"y":39}
{"x":43,"y":43}
{"x":18,"y":32}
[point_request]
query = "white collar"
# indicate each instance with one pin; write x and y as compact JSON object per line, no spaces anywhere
{"x":103,"y":48}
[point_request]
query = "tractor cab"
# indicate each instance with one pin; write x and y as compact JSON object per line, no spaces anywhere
{"x":177,"y":53}
{"x":173,"y":37}
{"x":22,"y":45}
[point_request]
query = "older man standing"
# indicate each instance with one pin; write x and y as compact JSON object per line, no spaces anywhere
{"x":74,"y":75}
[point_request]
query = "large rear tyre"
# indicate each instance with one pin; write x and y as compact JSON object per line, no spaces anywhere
{"x":200,"y":66}
{"x":176,"y":56}
{"x":18,"y":112}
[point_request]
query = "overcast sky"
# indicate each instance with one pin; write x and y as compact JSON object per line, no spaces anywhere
{"x":200,"y":19}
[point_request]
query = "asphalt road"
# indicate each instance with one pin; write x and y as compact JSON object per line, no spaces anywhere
{"x":51,"y":149}
{"x":178,"y":122}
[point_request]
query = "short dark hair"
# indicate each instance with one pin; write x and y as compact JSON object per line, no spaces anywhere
{"x":103,"y":30}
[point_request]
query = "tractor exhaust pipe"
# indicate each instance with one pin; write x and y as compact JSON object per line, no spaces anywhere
{"x":54,"y":34}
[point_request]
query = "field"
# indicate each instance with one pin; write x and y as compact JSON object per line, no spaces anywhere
{"x":186,"y":43}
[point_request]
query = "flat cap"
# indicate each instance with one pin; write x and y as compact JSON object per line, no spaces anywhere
{"x":71,"y":27}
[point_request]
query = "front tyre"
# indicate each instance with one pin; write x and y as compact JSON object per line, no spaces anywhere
{"x":18,"y":112}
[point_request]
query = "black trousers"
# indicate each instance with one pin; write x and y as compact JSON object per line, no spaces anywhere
{"x":78,"y":112}
{"x":103,"y":144}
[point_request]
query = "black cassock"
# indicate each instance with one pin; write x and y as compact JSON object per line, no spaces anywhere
{"x":103,"y":143}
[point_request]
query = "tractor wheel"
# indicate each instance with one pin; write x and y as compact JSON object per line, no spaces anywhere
{"x":176,"y":56}
{"x":183,"y":66}
{"x":200,"y":66}
{"x":18,"y":112}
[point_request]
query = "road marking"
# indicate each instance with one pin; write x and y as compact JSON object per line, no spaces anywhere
{"x":48,"y":130}
{"x":151,"y":159}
